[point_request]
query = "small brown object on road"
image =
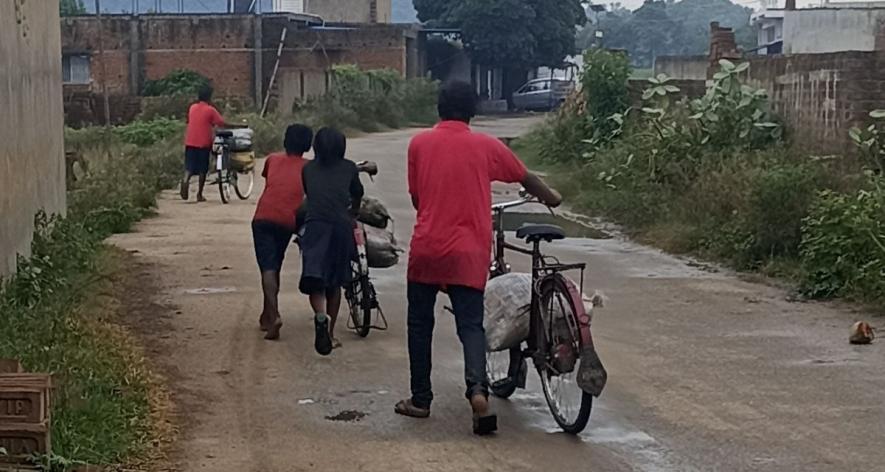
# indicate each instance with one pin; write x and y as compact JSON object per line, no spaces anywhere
{"x":862,"y":333}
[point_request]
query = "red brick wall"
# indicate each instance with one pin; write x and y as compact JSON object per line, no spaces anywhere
{"x":821,"y":96}
{"x":222,"y":48}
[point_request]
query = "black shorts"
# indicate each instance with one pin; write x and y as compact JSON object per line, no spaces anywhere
{"x":271,"y":242}
{"x":196,"y":160}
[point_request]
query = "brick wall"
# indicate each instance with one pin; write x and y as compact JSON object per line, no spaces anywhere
{"x":821,"y":96}
{"x":224,"y":49}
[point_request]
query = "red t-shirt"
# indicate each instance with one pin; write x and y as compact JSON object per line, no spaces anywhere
{"x":283,"y":190}
{"x":202,"y":118}
{"x":451,"y":170}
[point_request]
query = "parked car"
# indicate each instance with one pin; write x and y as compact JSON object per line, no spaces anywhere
{"x":542,"y":94}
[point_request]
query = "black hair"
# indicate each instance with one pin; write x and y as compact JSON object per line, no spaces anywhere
{"x":457,"y":101}
{"x":205,"y":93}
{"x":298,"y":139}
{"x":329,"y":145}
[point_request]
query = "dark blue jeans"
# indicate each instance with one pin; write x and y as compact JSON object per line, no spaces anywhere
{"x":467,"y":303}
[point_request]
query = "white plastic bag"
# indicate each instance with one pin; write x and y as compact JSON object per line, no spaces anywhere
{"x":508,"y":300}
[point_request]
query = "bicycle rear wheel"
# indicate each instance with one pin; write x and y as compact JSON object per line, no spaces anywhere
{"x":568,"y":403}
{"x":244,"y":182}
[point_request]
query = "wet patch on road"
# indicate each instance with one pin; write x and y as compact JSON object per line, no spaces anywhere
{"x":347,"y":416}
{"x":572,"y":227}
{"x":210,"y":290}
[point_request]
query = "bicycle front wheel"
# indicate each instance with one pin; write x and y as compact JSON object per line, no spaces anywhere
{"x":568,"y":403}
{"x":224,"y":186}
{"x":504,"y":370}
{"x":244,"y":182}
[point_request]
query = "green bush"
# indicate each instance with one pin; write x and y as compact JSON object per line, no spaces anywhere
{"x":146,"y":133}
{"x":843,"y":246}
{"x":177,"y":82}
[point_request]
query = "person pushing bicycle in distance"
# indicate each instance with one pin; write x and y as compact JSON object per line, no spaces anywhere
{"x":450,"y":170}
{"x":202,"y":120}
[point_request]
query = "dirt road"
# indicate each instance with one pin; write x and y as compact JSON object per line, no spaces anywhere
{"x":707,"y":372}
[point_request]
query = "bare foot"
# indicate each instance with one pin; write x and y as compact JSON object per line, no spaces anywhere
{"x":273,"y":330}
{"x":262,"y":322}
{"x":201,"y":198}
{"x":336,"y":343}
{"x":480,"y":405}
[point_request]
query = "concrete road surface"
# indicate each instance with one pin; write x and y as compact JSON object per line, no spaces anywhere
{"x":706,"y":372}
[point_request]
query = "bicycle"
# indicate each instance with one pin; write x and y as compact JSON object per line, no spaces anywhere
{"x":362,"y":299}
{"x":233,"y":169}
{"x":559,"y":341}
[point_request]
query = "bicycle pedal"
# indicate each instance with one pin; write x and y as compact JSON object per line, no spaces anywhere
{"x":591,"y":374}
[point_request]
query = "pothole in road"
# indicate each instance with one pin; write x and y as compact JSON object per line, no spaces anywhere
{"x":347,"y":416}
{"x":573,"y":229}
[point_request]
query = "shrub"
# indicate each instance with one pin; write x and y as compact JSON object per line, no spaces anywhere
{"x":604,"y":85}
{"x":843,"y":246}
{"x":177,"y":82}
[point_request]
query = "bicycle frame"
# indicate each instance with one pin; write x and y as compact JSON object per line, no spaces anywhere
{"x":543,"y":271}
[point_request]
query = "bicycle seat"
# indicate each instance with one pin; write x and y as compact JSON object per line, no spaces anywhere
{"x":224,"y":134}
{"x":532,"y":233}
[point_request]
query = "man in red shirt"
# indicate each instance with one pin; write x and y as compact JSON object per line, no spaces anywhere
{"x":202,"y":119}
{"x":451,"y":169}
{"x":274,"y":222}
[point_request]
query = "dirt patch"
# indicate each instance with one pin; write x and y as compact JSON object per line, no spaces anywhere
{"x":347,"y":416}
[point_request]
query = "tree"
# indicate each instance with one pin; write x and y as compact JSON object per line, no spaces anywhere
{"x":510,"y":33}
{"x":71,"y":7}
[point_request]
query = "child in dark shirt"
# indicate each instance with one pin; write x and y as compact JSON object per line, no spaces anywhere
{"x":334,"y":192}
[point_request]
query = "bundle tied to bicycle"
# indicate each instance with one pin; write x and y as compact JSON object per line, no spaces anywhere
{"x":508,"y":300}
{"x":382,"y":250}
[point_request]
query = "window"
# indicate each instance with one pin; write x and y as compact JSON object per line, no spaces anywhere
{"x":75,"y":69}
{"x":769,"y":35}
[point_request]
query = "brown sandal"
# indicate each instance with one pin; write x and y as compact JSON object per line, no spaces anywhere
{"x":484,"y":423}
{"x":407,"y":408}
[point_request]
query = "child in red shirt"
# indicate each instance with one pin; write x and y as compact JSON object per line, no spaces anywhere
{"x":274,"y":222}
{"x":202,"y":120}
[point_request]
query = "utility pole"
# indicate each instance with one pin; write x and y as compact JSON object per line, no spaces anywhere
{"x":104,"y":75}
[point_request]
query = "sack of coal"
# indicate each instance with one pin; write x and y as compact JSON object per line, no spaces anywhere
{"x":381,"y":248}
{"x":374,"y":213}
{"x":508,"y":301}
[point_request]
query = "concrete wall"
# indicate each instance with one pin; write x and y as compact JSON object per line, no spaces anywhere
{"x":31,"y":133}
{"x":831,"y":30}
{"x":351,"y":11}
{"x":821,"y":96}
{"x":682,"y":67}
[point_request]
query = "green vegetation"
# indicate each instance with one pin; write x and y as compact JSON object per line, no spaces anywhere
{"x":52,"y":316}
{"x":71,"y":7}
{"x":667,"y":28}
{"x":713,"y":177}
{"x":177,"y":82}
{"x":101,"y":413}
{"x":510,"y":33}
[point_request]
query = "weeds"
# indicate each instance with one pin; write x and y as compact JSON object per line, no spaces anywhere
{"x":712,"y":177}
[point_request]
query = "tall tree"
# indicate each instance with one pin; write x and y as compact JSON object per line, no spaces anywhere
{"x":71,"y":7}
{"x":510,"y":33}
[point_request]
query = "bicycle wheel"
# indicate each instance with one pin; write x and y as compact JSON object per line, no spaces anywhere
{"x":504,"y":370}
{"x":568,"y":403}
{"x":224,"y":186}
{"x":359,"y":298}
{"x":244,"y":182}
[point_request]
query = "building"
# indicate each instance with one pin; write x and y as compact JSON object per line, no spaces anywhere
{"x":32,"y":132}
{"x":238,"y":52}
{"x":830,"y":27}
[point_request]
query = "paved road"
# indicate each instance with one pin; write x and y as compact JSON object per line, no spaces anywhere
{"x":707,"y":372}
